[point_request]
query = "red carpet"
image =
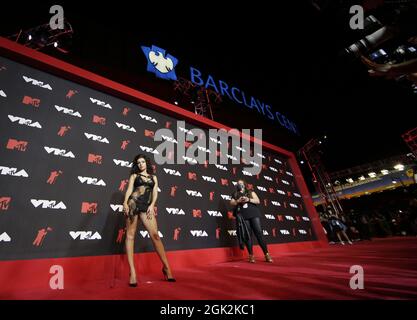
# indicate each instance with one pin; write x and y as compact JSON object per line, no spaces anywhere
{"x":390,"y":267}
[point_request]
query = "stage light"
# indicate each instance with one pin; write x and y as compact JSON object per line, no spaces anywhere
{"x":350,"y":180}
{"x":399,"y":167}
{"x":361,"y":178}
{"x":384,"y":172}
{"x":55,"y":44}
{"x":192,"y":102}
{"x":302,"y":162}
{"x":176,"y":103}
{"x":372,"y":174}
{"x":319,"y":142}
{"x":29,"y":37}
{"x":394,"y":182}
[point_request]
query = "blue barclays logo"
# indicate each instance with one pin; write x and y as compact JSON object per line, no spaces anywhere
{"x":162,"y":65}
{"x":240,"y":97}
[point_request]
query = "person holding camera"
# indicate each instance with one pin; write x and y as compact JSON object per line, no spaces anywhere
{"x":248,"y":219}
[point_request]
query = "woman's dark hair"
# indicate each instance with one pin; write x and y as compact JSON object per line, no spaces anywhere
{"x":135,"y":167}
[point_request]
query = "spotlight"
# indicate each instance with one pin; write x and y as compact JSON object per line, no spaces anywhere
{"x":399,"y":167}
{"x":302,"y":162}
{"x":29,"y":37}
{"x":55,"y":44}
{"x":176,"y":103}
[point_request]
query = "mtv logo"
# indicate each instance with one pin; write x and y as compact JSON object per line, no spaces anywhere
{"x":13,"y":144}
{"x":99,"y":120}
{"x":159,"y":63}
{"x":225,"y":182}
{"x":192,"y":176}
{"x":95,"y":158}
{"x":4,"y":203}
{"x":87,"y":207}
{"x":197,"y":213}
{"x":32,"y":101}
{"x":149,"y":133}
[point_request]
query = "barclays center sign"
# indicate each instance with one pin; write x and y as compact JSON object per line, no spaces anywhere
{"x":163,"y":65}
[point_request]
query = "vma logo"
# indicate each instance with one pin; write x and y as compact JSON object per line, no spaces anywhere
{"x":209,"y":179}
{"x":100,"y":103}
{"x":159,"y":63}
{"x":194,"y":193}
{"x":85,"y":235}
{"x":125,"y":127}
{"x":175,"y":211}
{"x":116,"y":207}
{"x":4,"y":237}
{"x":148,"y":118}
{"x":59,"y":152}
{"x":71,"y":112}
{"x":198,"y":233}
{"x":26,"y":122}
{"x":94,"y":137}
{"x":94,"y":181}
{"x":48,"y":204}
{"x":145,"y":234}
{"x":172,"y":172}
{"x":122,"y":163}
{"x":6,"y":171}
{"x":214,"y":213}
{"x":37,"y":83}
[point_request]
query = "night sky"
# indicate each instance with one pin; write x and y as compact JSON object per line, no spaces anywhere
{"x":287,"y":56}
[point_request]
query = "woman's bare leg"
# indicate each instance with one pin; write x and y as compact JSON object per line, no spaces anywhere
{"x":151,"y":226}
{"x":131,"y":226}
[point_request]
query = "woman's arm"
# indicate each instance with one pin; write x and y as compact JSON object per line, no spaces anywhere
{"x":254,"y":199}
{"x":129,"y":188}
{"x":128,"y":192}
{"x":151,"y":209}
{"x":154,"y":191}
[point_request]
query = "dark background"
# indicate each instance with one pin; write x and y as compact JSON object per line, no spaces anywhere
{"x":284,"y":53}
{"x":22,"y":220}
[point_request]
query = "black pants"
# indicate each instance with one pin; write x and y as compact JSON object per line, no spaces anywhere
{"x":255,"y":225}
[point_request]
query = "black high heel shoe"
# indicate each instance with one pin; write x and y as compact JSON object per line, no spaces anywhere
{"x":133,"y":285}
{"x":166,"y":276}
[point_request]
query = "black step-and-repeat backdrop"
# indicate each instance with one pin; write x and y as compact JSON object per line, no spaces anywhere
{"x":65,"y":156}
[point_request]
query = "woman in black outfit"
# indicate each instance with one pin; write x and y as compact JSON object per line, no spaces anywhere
{"x":248,"y":218}
{"x":139,"y":202}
